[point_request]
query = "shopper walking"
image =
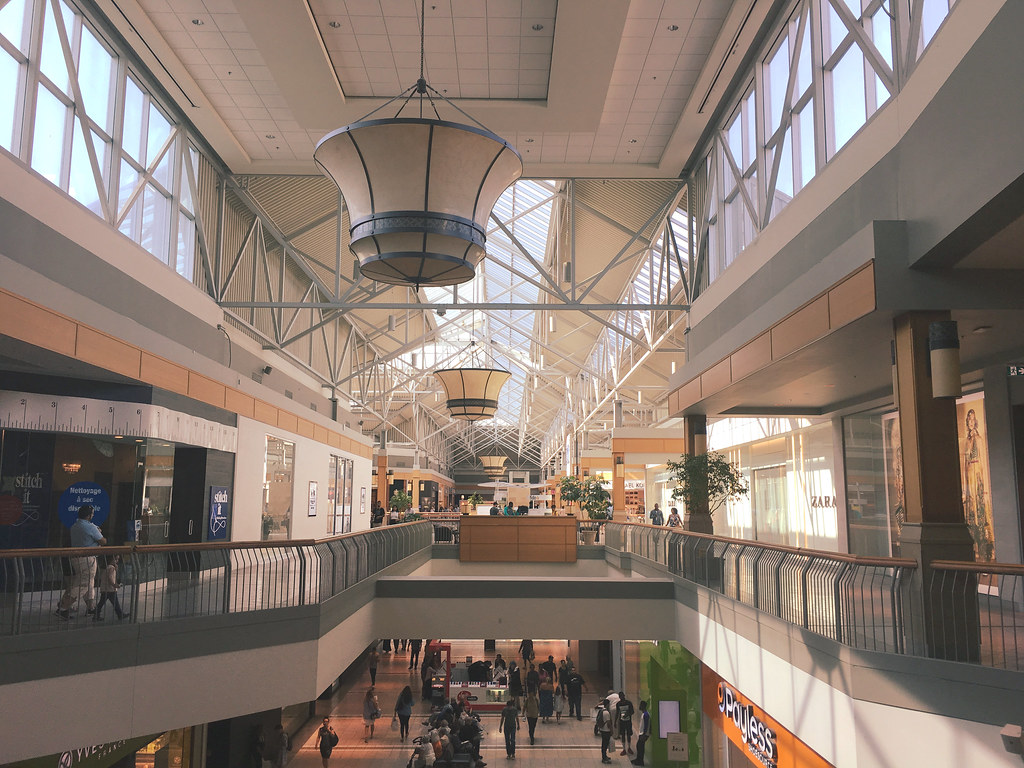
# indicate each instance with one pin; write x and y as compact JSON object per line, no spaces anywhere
{"x":109,"y":584}
{"x":604,"y":729}
{"x":371,"y":664}
{"x":546,"y":697}
{"x":509,"y":724}
{"x":326,"y":740}
{"x":371,"y":711}
{"x":515,"y":682}
{"x":414,"y":651}
{"x":84,"y":533}
{"x":643,"y":734}
{"x":403,"y":711}
{"x":532,"y":712}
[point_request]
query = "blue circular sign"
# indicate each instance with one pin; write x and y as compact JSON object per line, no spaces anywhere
{"x":80,"y":494}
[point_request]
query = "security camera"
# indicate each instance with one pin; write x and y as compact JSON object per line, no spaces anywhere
{"x":441,"y":311}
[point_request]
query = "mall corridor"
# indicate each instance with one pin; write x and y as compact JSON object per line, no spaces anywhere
{"x":568,"y":744}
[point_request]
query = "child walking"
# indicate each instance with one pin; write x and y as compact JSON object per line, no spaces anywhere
{"x":109,"y":585}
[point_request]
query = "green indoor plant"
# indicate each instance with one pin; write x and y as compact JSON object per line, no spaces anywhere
{"x":704,"y":482}
{"x":401,"y":501}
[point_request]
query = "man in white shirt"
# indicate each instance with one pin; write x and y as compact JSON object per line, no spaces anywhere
{"x":84,"y":533}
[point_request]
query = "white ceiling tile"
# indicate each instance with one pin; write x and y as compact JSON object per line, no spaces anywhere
{"x":534,"y":77}
{"x":503,"y":8}
{"x":155,"y":6}
{"x":247,"y":100}
{"x":475,"y":26}
{"x":363,"y":7}
{"x":673,"y":105}
{"x":383,"y":78}
{"x":368,"y":25}
{"x":407,"y":60}
{"x":619,"y":93}
{"x":189,"y":6}
{"x":256,"y":113}
{"x":282,"y":117}
{"x":471,"y":45}
{"x":475,"y":90}
{"x":602,"y":155}
{"x":446,"y":60}
{"x":206,"y":38}
{"x":400,"y":9}
{"x":473,"y":76}
{"x":221,"y":57}
{"x":402,"y":27}
{"x":503,"y":61}
{"x":533,"y":90}
{"x":438,"y":28}
{"x":651,"y":154}
{"x":664,"y":117}
{"x":503,"y":45}
{"x":581,"y":138}
{"x":666,"y":45}
{"x":547,"y":27}
{"x":374,"y":43}
{"x":217,"y":6}
{"x":704,"y":28}
{"x":166,"y":22}
{"x":406,"y":44}
{"x":683,"y":77}
{"x":190,"y":56}
{"x":713,"y":9}
{"x":472,"y":60}
{"x":542,"y":8}
{"x":261,"y":125}
{"x":504,"y":91}
{"x":651,"y":91}
{"x":211,"y":87}
{"x":378,"y":60}
{"x":665,"y":62}
{"x":699,"y":45}
{"x":647,"y":8}
{"x":258,"y":73}
{"x":660,"y":131}
{"x":179,"y":40}
{"x":503,"y":27}
{"x":237,"y":86}
{"x":535,"y":45}
{"x":691,"y":61}
{"x":625,"y":77}
{"x":534,"y":61}
{"x":645,"y":106}
{"x":447,"y":77}
{"x":228,"y":22}
{"x":465,"y":8}
{"x":504,"y":77}
{"x":247,"y":58}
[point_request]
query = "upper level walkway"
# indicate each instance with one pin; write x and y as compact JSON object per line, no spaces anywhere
{"x":220,"y":630}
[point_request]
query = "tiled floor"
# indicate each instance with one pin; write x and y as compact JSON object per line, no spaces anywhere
{"x":568,"y":744}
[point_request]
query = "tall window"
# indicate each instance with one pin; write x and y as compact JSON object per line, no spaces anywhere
{"x":278,"y":489}
{"x":74,"y":110}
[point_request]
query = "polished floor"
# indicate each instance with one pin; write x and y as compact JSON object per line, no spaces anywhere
{"x":566,"y":744}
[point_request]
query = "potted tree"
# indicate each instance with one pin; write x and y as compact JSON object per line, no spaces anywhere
{"x":401,"y":501}
{"x":473,"y":501}
{"x":704,"y":482}
{"x":592,"y":498}
{"x":570,"y":490}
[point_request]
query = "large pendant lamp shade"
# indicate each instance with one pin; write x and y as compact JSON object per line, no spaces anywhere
{"x":419,"y":192}
{"x":472,"y":393}
{"x":494,"y":466}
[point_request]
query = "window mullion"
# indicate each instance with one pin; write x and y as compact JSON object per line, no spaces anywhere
{"x":32,"y":81}
{"x":822,"y":100}
{"x":867,"y":45}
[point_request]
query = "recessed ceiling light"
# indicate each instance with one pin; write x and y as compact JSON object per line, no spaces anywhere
{"x":271,"y":136}
{"x":529,"y":141}
{"x":537,"y":27}
{"x":334,"y":24}
{"x":672,"y":27}
{"x":632,"y":141}
{"x":198,"y":22}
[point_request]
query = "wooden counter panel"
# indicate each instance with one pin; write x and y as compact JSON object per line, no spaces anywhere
{"x":517,"y":539}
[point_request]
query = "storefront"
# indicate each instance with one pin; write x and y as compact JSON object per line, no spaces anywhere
{"x":173,"y":749}
{"x":739,"y":734}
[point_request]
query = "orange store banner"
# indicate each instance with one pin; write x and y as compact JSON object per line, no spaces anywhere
{"x":760,"y":737}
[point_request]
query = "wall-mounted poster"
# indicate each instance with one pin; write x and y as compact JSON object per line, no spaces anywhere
{"x":975,"y":482}
{"x":893,"y":451}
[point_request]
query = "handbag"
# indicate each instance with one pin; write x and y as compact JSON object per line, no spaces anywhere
{"x":394,"y":723}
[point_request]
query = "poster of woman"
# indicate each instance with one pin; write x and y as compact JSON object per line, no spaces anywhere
{"x":974,"y":474}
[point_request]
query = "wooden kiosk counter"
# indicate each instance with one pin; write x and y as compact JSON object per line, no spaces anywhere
{"x":517,"y":539}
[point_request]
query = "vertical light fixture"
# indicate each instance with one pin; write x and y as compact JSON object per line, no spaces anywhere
{"x":944,"y":352}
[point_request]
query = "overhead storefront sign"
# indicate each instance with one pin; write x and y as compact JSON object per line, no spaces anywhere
{"x":751,"y":729}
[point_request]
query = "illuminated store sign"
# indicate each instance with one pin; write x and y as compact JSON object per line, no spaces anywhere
{"x":747,"y":726}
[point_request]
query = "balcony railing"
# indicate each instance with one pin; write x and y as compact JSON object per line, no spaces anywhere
{"x":183,"y":580}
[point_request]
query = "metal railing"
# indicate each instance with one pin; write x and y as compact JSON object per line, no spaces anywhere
{"x":175,"y":581}
{"x":861,"y":602}
{"x":977,"y":613}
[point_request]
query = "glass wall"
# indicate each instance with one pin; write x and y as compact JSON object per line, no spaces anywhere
{"x":278,"y":489}
{"x":788,"y":465}
{"x":873,"y":457}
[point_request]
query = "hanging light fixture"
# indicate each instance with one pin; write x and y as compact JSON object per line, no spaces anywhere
{"x":494,"y":466}
{"x":472,"y":391}
{"x":418,"y":189}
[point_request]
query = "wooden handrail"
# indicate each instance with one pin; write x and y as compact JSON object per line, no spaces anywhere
{"x":125,"y":549}
{"x":891,"y":562}
{"x":1006,"y":569}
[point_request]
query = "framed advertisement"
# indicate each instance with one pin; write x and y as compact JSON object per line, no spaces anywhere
{"x":312,"y":498}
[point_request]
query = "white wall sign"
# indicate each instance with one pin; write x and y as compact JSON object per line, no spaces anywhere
{"x":678,"y":746}
{"x":312,"y":498}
